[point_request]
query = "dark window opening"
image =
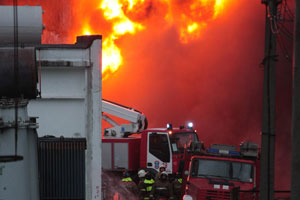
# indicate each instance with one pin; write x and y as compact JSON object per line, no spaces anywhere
{"x":159,"y":146}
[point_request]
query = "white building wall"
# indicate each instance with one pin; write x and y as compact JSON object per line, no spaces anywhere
{"x":70,"y":105}
{"x":61,"y":110}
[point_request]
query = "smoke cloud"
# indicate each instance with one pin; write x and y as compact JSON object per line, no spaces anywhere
{"x":216,"y":80}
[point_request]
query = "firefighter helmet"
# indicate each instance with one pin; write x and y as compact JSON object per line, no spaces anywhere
{"x":162,"y":167}
{"x":141,"y":173}
{"x":163,"y":175}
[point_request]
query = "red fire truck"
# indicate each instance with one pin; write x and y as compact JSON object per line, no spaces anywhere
{"x":213,"y":173}
{"x":122,"y":149}
{"x":221,"y":172}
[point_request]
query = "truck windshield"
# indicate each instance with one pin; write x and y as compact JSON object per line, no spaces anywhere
{"x":182,"y":140}
{"x":229,"y":170}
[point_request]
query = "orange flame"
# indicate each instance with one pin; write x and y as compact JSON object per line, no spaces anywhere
{"x":129,"y":17}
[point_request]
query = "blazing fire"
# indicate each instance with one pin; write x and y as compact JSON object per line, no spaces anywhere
{"x":130,"y":16}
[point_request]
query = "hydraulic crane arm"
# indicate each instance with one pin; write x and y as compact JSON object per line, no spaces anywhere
{"x":138,"y":121}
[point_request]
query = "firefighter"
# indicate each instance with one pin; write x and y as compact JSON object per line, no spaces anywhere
{"x":145,"y":185}
{"x":141,"y":190}
{"x":176,"y":187}
{"x":141,"y":175}
{"x":162,"y":188}
{"x":162,"y":168}
{"x":129,"y":185}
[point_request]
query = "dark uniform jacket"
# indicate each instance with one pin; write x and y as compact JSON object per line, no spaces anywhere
{"x":162,"y":189}
{"x":145,"y":188}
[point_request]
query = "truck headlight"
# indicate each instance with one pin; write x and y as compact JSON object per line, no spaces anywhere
{"x":187,"y":197}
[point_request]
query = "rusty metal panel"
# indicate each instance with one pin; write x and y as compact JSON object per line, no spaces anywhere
{"x":27,"y":73}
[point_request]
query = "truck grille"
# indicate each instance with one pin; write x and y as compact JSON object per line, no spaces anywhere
{"x":213,"y":195}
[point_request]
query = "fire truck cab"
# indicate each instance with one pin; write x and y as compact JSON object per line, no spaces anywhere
{"x":133,"y":147}
{"x":148,"y":150}
{"x":221,"y":172}
{"x":166,"y":146}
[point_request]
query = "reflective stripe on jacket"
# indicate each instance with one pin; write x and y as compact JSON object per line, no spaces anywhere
{"x":148,"y":183}
{"x":128,"y":179}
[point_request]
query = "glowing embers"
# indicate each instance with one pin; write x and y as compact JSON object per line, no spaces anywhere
{"x":112,"y":10}
{"x":120,"y":17}
{"x":121,"y":24}
{"x":86,"y":30}
{"x":112,"y":58}
{"x":194,"y":16}
{"x":219,"y":6}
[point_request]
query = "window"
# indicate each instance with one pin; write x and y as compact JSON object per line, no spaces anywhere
{"x":214,"y":168}
{"x":222,"y":169}
{"x":159,"y":146}
{"x":242,"y":171}
{"x":182,"y":140}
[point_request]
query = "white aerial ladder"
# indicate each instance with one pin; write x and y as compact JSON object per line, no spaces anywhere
{"x":138,"y":121}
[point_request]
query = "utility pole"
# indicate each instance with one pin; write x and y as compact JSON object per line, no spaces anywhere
{"x":295,"y":185}
{"x":269,"y":90}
